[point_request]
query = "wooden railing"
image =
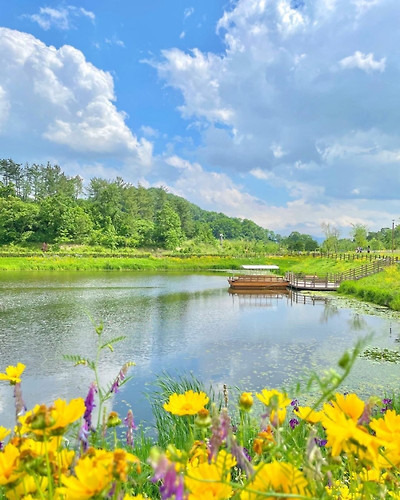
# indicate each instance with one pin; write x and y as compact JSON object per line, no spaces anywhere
{"x":331,"y":281}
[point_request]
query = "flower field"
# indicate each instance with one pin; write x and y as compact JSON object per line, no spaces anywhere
{"x":255,"y":446}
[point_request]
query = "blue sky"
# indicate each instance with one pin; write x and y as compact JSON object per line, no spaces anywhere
{"x":285,"y":112}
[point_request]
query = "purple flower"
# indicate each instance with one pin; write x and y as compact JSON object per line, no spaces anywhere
{"x":83,"y":436}
{"x":219,"y":431}
{"x":120,"y":377}
{"x":115,"y":386}
{"x":320,"y":442}
{"x":242,"y":456}
{"x":172,"y":483}
{"x":89,"y":405}
{"x":130,"y":423}
{"x":295,"y":404}
{"x":387,"y":402}
{"x":293,"y":423}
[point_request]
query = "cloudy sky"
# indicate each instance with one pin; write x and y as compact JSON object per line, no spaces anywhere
{"x":285,"y":112}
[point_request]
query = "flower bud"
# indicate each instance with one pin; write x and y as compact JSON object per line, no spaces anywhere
{"x":246,"y":401}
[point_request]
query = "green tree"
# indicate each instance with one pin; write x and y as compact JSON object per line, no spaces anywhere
{"x":169,"y":233}
{"x":18,"y":220}
{"x":359,"y":234}
{"x":62,"y":220}
{"x":331,"y":242}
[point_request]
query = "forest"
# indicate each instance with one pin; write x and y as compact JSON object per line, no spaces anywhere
{"x":40,"y":203}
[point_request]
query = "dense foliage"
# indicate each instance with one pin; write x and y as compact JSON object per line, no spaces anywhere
{"x":40,"y":203}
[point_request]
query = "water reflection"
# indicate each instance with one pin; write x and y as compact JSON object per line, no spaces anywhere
{"x":173,"y":322}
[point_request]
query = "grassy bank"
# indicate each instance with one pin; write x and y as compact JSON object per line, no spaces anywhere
{"x":55,"y":262}
{"x":382,"y":288}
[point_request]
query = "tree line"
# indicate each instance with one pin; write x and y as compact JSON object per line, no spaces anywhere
{"x":41,"y":203}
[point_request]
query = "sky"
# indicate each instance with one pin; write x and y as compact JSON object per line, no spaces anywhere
{"x":285,"y":112}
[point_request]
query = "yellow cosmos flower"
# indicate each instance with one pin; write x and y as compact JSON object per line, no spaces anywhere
{"x":277,"y":477}
{"x":277,"y":402}
{"x":351,"y":405}
{"x":3,"y":433}
{"x":207,"y":481}
{"x":188,"y":403}
{"x":53,"y":419}
{"x":273,"y":398}
{"x":26,"y":486}
{"x":95,"y":472}
{"x":9,"y":459}
{"x":13,"y":373}
{"x":60,"y":458}
{"x":198,"y":454}
{"x":343,"y":434}
{"x":92,"y":476}
{"x":308,"y":414}
{"x":387,"y":431}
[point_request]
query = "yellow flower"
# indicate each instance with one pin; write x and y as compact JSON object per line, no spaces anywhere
{"x":387,"y":431}
{"x":53,"y":419}
{"x":263,"y":440}
{"x":198,"y":454}
{"x":246,"y":401}
{"x":9,"y":460}
{"x":60,"y":458}
{"x":308,"y":414}
{"x":277,"y":402}
{"x":277,"y":477}
{"x":93,"y":474}
{"x":122,"y":461}
{"x":13,"y":374}
{"x":350,"y":404}
{"x":28,"y":485}
{"x":343,"y":434}
{"x":273,"y":398}
{"x":189,"y":403}
{"x":3,"y":433}
{"x":208,"y":480}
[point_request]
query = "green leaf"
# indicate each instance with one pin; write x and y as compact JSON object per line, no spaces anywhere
{"x":109,"y":343}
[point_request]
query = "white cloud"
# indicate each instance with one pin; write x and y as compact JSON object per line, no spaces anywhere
{"x":61,"y":18}
{"x":115,"y":41}
{"x":364,"y":5}
{"x":57,"y":97}
{"x":291,"y":20}
{"x":188,"y":12}
{"x":149,"y":131}
{"x":365,"y":62}
{"x":273,"y":109}
{"x":4,"y":107}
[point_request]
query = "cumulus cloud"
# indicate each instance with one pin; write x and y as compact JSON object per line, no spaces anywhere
{"x":365,"y":62}
{"x":56,"y":97}
{"x":273,"y":103}
{"x":61,"y":18}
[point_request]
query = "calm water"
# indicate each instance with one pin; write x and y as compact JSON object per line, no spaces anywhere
{"x":178,"y":323}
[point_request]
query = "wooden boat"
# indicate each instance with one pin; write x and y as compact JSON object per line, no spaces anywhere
{"x":258,"y":280}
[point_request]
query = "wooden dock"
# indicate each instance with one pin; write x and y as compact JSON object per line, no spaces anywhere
{"x":331,"y":281}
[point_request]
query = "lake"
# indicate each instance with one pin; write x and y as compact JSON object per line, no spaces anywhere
{"x":179,"y":324}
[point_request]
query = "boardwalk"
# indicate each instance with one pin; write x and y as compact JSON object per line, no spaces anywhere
{"x":331,"y":281}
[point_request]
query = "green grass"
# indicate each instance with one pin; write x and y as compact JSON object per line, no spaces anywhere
{"x":382,"y":288}
{"x":155,"y":262}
